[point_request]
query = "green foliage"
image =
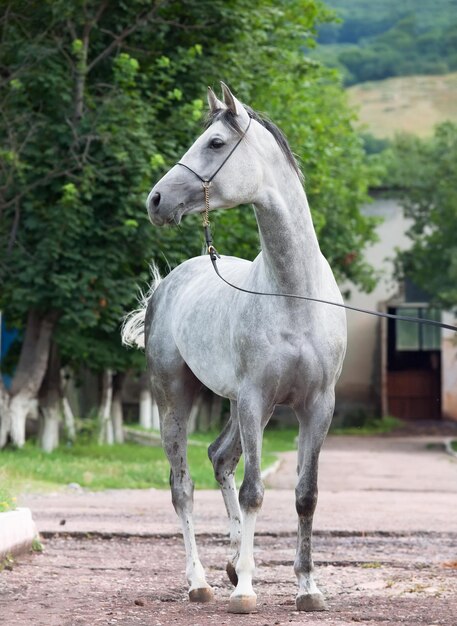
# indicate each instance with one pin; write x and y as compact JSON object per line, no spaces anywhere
{"x":90,"y":122}
{"x":377,"y":41}
{"x":37,"y":546}
{"x":422,"y":174}
{"x":337,"y":173}
{"x":7,"y":501}
{"x":359,"y":422}
{"x":126,"y":466}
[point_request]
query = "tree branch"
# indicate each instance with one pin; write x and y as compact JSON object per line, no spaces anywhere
{"x":141,"y":19}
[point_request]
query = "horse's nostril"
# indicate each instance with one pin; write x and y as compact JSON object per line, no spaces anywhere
{"x":156,"y":199}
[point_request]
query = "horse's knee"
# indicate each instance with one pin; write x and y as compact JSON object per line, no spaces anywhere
{"x":305,"y":502}
{"x":182,"y":490}
{"x":219,"y":467}
{"x":251,"y":495}
{"x":224,"y":459}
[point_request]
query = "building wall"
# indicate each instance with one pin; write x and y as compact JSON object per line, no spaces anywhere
{"x":359,"y":384}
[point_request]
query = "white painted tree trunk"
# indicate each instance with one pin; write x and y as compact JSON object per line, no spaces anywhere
{"x":5,"y":415}
{"x":49,"y":435}
{"x":17,"y":402}
{"x":106,"y":434}
{"x":194,"y":413}
{"x":20,"y":406}
{"x":145,"y":408}
{"x":69,"y":419}
{"x":50,"y":403}
{"x":117,"y":419}
{"x":68,"y":416}
{"x":155,"y":415}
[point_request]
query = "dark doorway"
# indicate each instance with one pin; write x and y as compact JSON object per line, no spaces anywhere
{"x":414,"y":365}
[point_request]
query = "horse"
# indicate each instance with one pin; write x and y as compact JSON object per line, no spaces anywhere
{"x":259,"y":352}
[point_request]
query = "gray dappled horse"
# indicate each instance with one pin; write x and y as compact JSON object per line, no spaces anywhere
{"x":257,"y":351}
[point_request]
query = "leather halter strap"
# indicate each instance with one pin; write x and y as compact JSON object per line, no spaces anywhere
{"x":208,"y":180}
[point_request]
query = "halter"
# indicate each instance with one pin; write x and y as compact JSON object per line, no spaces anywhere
{"x":214,"y":255}
{"x":206,"y":183}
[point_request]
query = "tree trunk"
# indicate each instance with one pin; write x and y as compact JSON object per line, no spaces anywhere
{"x":68,"y":416}
{"x":117,"y":416}
{"x":5,"y":415}
{"x":216,"y":412}
{"x":155,"y":416}
{"x":16,"y":403}
{"x":50,"y":403}
{"x":145,"y":409}
{"x":20,"y":406}
{"x":194,"y":413}
{"x":106,"y":434}
{"x":204,"y":417}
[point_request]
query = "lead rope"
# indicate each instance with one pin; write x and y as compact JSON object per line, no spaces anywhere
{"x":214,"y":255}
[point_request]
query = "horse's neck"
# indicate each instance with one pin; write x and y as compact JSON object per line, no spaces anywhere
{"x":291,"y":257}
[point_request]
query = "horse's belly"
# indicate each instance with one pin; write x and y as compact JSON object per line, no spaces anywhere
{"x":210,"y":358}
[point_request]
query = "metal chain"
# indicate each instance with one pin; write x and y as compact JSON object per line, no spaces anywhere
{"x":206,"y":186}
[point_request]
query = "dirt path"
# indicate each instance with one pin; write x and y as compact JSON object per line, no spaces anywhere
{"x":385,"y":549}
{"x":132,"y":581}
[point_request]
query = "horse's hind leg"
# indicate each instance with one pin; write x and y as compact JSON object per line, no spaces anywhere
{"x":225,"y":453}
{"x":253,"y":414}
{"x":312,"y":431}
{"x":175,"y":402}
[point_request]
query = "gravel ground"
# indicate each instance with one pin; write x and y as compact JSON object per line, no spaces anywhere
{"x":376,"y":580}
{"x":385,"y":548}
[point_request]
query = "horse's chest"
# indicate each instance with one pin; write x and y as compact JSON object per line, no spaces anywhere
{"x":275,"y":353}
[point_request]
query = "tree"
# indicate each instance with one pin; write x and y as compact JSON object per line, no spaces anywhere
{"x":86,"y":95}
{"x":98,"y":98}
{"x":423,"y":173}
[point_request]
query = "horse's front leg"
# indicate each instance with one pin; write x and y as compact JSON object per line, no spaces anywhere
{"x":252,"y":415}
{"x":225,"y":453}
{"x":174,"y":439}
{"x":312,"y":431}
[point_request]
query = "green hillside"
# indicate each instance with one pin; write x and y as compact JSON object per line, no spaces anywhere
{"x":377,"y":40}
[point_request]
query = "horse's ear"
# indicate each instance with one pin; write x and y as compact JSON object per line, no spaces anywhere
{"x":231,"y":102}
{"x":213,"y":102}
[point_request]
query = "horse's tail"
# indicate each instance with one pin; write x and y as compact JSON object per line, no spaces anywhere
{"x":132,"y":331}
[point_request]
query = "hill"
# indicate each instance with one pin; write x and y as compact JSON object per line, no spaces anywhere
{"x":377,"y":40}
{"x":413,"y":104}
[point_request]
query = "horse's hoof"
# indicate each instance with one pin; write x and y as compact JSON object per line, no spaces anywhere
{"x":311,"y":602}
{"x":231,"y":573}
{"x":242,"y":604}
{"x":201,"y":594}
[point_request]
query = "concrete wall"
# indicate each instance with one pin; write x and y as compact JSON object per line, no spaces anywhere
{"x":359,"y":385}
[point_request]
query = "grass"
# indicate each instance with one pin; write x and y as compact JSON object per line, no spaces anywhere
{"x":413,"y":104}
{"x":131,"y":466}
{"x":454,"y":445}
{"x":7,"y":501}
{"x":370,"y":427}
{"x":127,"y":466}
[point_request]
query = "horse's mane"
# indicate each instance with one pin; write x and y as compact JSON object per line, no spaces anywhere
{"x":229,"y":119}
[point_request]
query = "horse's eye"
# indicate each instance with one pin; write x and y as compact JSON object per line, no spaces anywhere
{"x":216,"y":143}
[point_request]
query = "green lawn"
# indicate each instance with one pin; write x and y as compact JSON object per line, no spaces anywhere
{"x":7,"y":501}
{"x":127,"y":466}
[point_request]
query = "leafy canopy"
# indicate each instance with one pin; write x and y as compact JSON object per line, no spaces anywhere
{"x":423,"y":173}
{"x":99,"y":98}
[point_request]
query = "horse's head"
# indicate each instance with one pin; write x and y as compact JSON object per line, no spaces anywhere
{"x":237,"y":153}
